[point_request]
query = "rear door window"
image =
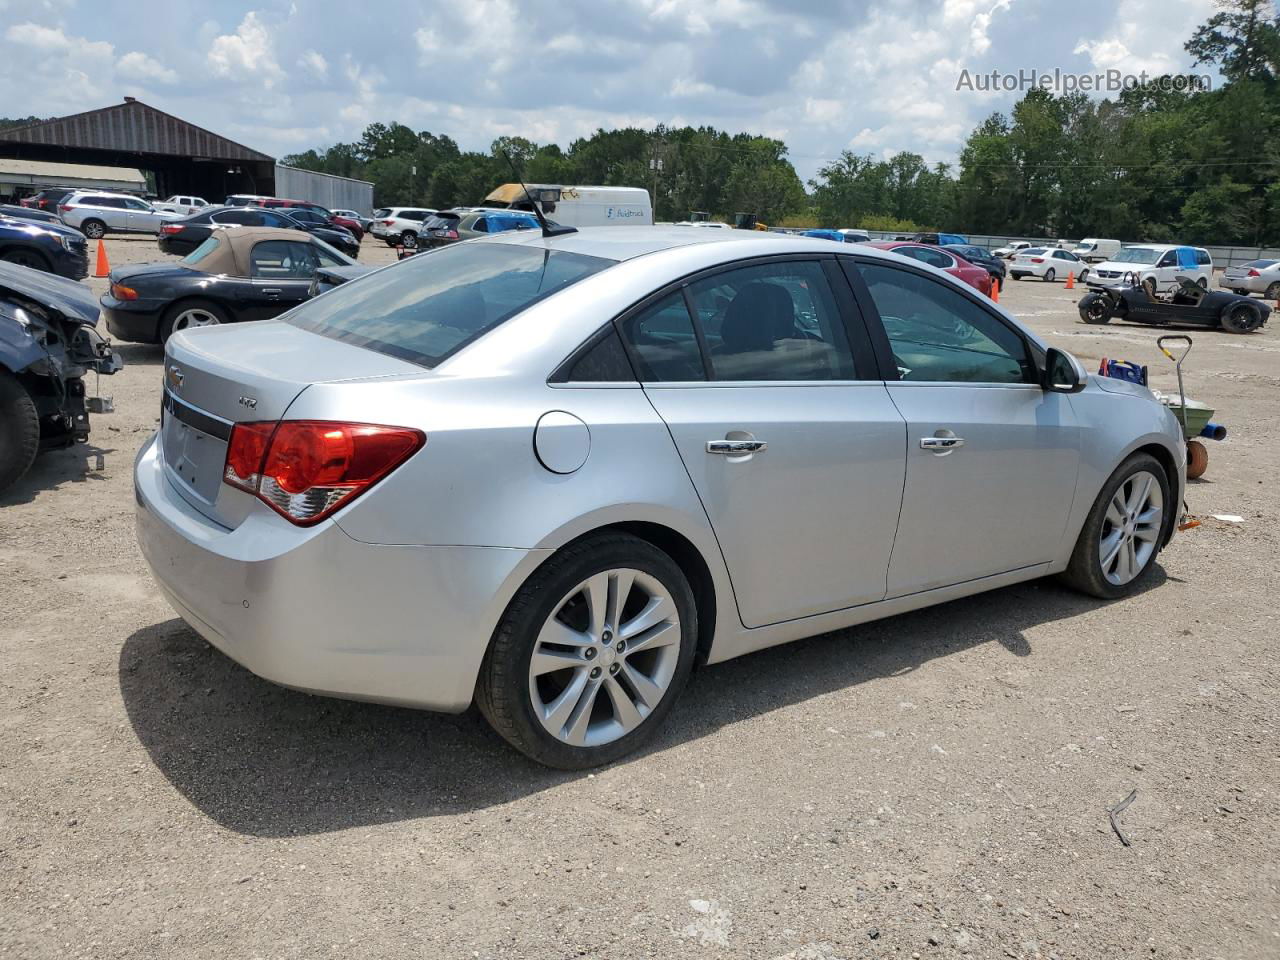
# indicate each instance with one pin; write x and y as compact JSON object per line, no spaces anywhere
{"x":664,"y":343}
{"x":430,"y":307}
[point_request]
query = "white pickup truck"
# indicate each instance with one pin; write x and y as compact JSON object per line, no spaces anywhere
{"x":183,"y":204}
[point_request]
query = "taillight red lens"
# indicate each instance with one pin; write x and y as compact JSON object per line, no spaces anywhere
{"x":452,"y":234}
{"x":170,"y":228}
{"x":245,"y":453}
{"x":306,"y":469}
{"x":387,"y":223}
{"x":1037,"y":259}
{"x":1254,"y":273}
{"x":121,"y":292}
{"x":64,"y":207}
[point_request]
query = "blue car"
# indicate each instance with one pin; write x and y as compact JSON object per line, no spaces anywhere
{"x":835,"y":235}
{"x":51,"y":247}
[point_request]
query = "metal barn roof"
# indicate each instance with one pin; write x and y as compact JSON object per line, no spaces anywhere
{"x":133,"y":127}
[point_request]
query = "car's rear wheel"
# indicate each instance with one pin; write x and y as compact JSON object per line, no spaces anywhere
{"x":591,"y":653}
{"x":1084,"y":274}
{"x":19,"y":430}
{"x":408,"y":238}
{"x":1122,"y":536}
{"x":1048,"y":275}
{"x":1241,"y":317}
{"x":189,"y":314}
{"x":26,"y":258}
{"x":94,"y":229}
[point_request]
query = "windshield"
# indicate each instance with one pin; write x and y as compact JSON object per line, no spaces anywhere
{"x":199,"y":253}
{"x":429,"y":307}
{"x":1137,"y":255}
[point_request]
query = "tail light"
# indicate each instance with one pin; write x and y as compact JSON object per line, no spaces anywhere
{"x":387,"y":223}
{"x":170,"y":228}
{"x":64,"y":207}
{"x":1253,"y":273}
{"x":121,"y":292}
{"x":451,"y":234}
{"x":305,"y":470}
{"x":1037,"y":259}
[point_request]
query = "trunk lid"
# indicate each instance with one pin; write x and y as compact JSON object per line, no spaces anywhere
{"x":216,"y":377}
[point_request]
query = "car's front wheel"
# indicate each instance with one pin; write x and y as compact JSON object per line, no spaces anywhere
{"x":94,"y":229}
{"x":1117,"y":547}
{"x":19,"y":430}
{"x":591,"y":653}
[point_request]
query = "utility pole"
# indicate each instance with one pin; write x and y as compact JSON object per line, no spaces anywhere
{"x":657,"y":161}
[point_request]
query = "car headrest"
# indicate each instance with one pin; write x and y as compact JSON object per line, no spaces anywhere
{"x":759,"y":314}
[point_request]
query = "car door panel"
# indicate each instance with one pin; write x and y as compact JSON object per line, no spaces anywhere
{"x":998,"y":502}
{"x":805,"y":525}
{"x":991,"y":458}
{"x":806,"y":522}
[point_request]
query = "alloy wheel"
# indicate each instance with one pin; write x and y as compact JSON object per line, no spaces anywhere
{"x":1131,"y":528}
{"x":1049,"y":275}
{"x":605,"y":658}
{"x":94,"y":230}
{"x":194,"y":317}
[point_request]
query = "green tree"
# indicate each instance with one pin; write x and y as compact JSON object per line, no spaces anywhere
{"x":1242,"y":40}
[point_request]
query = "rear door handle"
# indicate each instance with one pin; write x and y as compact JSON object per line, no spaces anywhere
{"x":735,"y":446}
{"x":941,"y":444}
{"x":272,"y":291}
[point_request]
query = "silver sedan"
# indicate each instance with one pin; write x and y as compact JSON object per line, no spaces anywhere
{"x":550,"y":474}
{"x":1257,"y":276}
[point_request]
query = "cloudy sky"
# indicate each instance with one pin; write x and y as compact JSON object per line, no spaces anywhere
{"x":823,"y":75}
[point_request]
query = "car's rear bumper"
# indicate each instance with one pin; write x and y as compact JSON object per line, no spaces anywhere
{"x":125,"y":321}
{"x":315,"y":609}
{"x":1249,"y":284}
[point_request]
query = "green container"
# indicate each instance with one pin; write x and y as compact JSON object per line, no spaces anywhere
{"x":1198,"y":415}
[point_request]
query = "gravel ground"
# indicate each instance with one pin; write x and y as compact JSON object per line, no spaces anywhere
{"x":932,"y":785}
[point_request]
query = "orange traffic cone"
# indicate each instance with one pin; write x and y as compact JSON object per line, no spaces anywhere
{"x":995,"y":290}
{"x":1071,"y":279}
{"x":104,"y":268}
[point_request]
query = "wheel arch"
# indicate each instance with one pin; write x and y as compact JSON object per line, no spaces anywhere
{"x":8,"y":248}
{"x":1164,"y":456}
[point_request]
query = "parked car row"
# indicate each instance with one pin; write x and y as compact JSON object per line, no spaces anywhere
{"x":182,"y":236}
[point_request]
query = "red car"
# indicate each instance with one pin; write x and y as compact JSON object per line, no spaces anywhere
{"x":352,"y":225}
{"x":958,"y":267}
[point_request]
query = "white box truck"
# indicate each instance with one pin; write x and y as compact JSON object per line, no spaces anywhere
{"x":1096,"y":251}
{"x":578,"y":206}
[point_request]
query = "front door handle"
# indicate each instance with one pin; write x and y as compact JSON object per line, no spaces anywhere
{"x":941,"y":444}
{"x":732,"y":447}
{"x":272,"y":291}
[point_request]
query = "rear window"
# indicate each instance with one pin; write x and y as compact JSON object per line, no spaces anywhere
{"x":1203,"y":258}
{"x":431,"y":306}
{"x":1260,"y":264}
{"x":199,"y":253}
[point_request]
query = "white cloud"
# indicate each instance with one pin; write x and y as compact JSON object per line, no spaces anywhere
{"x":143,"y":69}
{"x":315,"y":64}
{"x":247,"y":54}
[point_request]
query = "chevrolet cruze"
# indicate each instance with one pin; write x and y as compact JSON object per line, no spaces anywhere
{"x":548,"y":474}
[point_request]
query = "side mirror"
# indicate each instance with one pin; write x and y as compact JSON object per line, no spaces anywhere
{"x":1063,"y":373}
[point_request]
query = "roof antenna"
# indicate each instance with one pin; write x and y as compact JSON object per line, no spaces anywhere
{"x":547,"y":229}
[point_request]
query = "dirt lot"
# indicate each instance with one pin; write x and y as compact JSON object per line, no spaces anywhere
{"x":931,"y":785}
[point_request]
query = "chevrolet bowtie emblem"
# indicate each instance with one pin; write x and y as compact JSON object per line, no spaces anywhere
{"x":174,"y":377}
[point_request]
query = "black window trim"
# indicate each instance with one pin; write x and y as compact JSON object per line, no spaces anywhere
{"x":880,"y":338}
{"x":866,"y":364}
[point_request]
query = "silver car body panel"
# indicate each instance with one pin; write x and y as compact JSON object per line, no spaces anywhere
{"x":396,"y":597}
{"x":1237,"y":278}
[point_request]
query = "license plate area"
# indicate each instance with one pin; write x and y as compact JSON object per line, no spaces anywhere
{"x":194,"y":445}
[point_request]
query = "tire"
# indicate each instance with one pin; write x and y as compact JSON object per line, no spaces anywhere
{"x":409,"y":238}
{"x":391,"y":243}
{"x":94,"y":229}
{"x":1273,"y":292}
{"x":1241,"y":317}
{"x":1017,"y":276}
{"x":1048,"y":275}
{"x":553,"y":603}
{"x":19,"y":430}
{"x":1084,"y":275}
{"x":1095,"y":309}
{"x":186,"y":314}
{"x":1197,"y":459}
{"x":27,"y":258}
{"x":1085,"y":571}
